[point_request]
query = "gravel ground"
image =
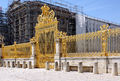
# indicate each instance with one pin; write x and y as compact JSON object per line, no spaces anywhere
{"x":19,"y":74}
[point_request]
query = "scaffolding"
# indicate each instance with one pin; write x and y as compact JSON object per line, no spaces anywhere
{"x":68,"y":5}
{"x":22,"y":19}
{"x":61,"y":3}
{"x":3,"y":26}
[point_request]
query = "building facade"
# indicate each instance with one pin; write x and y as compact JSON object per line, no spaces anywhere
{"x":85,"y":24}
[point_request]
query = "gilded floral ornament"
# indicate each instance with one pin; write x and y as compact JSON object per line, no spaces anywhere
{"x":45,"y":10}
{"x":60,"y":34}
{"x":47,"y":17}
{"x":104,"y":27}
{"x":32,"y":40}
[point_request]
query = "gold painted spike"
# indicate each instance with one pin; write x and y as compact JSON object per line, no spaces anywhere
{"x":104,"y":27}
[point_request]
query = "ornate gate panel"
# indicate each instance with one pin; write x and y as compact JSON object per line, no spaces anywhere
{"x":45,"y":37}
{"x":45,"y":48}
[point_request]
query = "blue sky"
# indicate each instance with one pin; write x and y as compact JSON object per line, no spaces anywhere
{"x":104,"y":9}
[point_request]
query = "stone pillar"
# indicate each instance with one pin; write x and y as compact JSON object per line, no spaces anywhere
{"x":33,"y":43}
{"x":13,"y":64}
{"x":80,"y":67}
{"x":56,"y":66}
{"x":62,"y":66}
{"x":67,"y":68}
{"x":106,"y":64}
{"x":33,"y":55}
{"x":33,"y":49}
{"x":8,"y":63}
{"x":57,"y":55}
{"x":18,"y":64}
{"x":47,"y":65}
{"x":30,"y":65}
{"x":115,"y":69}
{"x":4,"y":64}
{"x":24,"y":64}
{"x":95,"y":68}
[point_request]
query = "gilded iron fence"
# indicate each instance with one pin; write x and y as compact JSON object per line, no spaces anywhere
{"x":16,"y":51}
{"x":113,"y":44}
{"x":89,"y":44}
{"x":101,"y":43}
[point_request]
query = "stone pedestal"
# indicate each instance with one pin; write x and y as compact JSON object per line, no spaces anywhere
{"x":4,"y":64}
{"x":95,"y":68}
{"x":56,"y":66}
{"x":67,"y":68}
{"x":8,"y":64}
{"x":80,"y":67}
{"x":47,"y":65}
{"x":13,"y":65}
{"x":18,"y":65}
{"x":30,"y":65}
{"x":62,"y":66}
{"x":106,"y":64}
{"x":115,"y":69}
{"x":24,"y":65}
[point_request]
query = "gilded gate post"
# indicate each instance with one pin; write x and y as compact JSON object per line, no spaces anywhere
{"x":104,"y":38}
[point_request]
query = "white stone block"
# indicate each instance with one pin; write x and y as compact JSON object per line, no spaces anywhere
{"x":115,"y":69}
{"x":80,"y":67}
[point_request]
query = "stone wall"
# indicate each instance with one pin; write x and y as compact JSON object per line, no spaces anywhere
{"x":19,"y":63}
{"x":104,"y":63}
